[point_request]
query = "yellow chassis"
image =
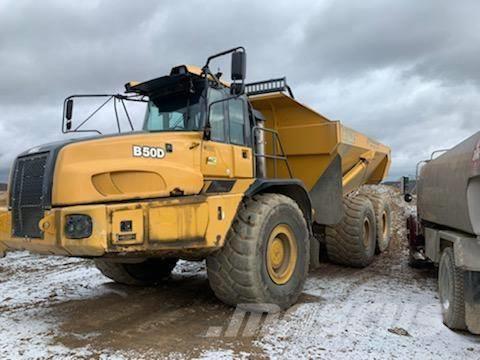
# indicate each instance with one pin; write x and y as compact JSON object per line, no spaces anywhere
{"x":165,"y":227}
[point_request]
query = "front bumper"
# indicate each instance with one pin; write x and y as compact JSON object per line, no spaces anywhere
{"x":175,"y":226}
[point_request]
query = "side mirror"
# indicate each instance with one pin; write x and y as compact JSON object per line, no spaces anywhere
{"x":408,"y":198}
{"x":239,"y":65}
{"x":69,"y":113}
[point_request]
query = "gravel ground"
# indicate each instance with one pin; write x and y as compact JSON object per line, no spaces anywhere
{"x":53,"y":307}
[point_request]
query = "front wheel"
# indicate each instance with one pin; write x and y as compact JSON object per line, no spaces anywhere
{"x":265,"y":257}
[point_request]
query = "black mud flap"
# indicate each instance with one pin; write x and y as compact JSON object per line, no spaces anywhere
{"x":472,"y":301}
{"x":327,"y":195}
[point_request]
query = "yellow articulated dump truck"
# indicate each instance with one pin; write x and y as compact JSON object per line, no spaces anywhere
{"x":239,"y":174}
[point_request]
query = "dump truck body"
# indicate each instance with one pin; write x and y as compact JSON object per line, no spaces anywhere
{"x":330,"y":158}
{"x":311,"y":141}
{"x":203,"y":179}
{"x":447,"y":228}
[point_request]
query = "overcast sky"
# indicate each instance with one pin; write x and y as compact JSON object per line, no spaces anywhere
{"x":404,"y":72}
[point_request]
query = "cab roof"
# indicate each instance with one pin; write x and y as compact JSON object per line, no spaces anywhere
{"x":177,"y":79}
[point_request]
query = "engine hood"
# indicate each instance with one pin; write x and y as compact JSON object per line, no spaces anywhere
{"x":133,"y":166}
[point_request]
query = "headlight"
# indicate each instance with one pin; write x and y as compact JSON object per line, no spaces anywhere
{"x":78,"y":226}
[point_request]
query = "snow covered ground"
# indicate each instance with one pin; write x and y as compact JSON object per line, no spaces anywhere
{"x":53,"y":307}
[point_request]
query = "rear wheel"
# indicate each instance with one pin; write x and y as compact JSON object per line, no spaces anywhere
{"x":147,"y":272}
{"x":352,"y":241}
{"x":383,"y":219}
{"x":451,"y":291}
{"x":265,"y":257}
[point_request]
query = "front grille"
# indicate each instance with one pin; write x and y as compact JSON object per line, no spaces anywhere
{"x":27,"y":196}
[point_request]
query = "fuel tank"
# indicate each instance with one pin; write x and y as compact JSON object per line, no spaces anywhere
{"x":449,"y":188}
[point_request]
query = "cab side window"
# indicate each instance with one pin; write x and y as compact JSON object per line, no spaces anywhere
{"x":217,"y":116}
{"x":236,"y":117}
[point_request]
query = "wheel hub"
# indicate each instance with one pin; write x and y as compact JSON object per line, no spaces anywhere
{"x":278,"y":253}
{"x":281,"y":254}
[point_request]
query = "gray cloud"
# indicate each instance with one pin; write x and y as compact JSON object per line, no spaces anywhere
{"x":403,"y":72}
{"x":433,"y":39}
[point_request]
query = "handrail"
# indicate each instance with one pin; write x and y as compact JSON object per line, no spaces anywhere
{"x":274,"y":157}
{"x":417,"y":167}
{"x":437,"y":152}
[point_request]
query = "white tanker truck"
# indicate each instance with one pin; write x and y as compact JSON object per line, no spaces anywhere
{"x":446,"y":230}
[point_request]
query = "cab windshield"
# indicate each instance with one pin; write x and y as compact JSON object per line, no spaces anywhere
{"x":175,"y":112}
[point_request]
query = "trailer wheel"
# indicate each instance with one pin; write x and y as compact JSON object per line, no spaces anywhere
{"x":265,"y":258}
{"x":352,"y":241}
{"x":451,"y":291}
{"x":148,"y":272}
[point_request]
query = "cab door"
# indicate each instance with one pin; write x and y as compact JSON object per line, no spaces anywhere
{"x":239,"y":135}
{"x":227,"y":154}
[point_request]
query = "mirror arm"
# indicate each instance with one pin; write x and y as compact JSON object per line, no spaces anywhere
{"x":211,"y":57}
{"x":93,"y":113}
{"x":127,"y":114}
{"x":116,"y":115}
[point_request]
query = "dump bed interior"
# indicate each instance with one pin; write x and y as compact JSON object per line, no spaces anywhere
{"x":312,"y":143}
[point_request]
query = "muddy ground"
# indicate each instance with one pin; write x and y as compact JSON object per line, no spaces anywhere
{"x":53,"y":307}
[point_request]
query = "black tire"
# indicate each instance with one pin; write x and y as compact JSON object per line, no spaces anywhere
{"x":352,"y":241}
{"x":383,"y":220}
{"x":239,"y":272}
{"x":146,"y":273}
{"x":451,"y":291}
